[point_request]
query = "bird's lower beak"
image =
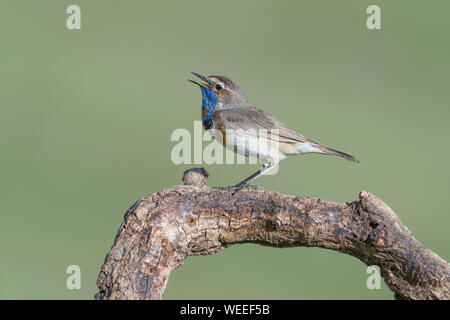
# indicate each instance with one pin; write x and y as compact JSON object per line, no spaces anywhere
{"x":201,"y":84}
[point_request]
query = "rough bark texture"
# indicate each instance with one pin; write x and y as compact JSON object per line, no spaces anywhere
{"x":161,"y":230}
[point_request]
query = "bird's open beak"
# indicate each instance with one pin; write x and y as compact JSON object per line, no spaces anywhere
{"x":201,"y":84}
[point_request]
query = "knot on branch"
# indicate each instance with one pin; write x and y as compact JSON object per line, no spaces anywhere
{"x":195,"y":177}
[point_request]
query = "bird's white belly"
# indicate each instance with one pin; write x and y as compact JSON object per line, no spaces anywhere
{"x":264,"y":149}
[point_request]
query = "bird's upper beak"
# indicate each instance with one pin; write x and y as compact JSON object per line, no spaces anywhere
{"x":201,"y":84}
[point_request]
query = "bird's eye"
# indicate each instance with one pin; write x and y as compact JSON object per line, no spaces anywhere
{"x":218,"y":87}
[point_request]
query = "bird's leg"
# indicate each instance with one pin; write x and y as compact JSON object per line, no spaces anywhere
{"x":253,"y":177}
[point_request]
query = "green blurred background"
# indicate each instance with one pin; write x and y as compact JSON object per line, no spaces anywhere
{"x":86,"y":118}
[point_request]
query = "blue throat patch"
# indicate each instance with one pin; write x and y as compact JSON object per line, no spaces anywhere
{"x":209,"y":103}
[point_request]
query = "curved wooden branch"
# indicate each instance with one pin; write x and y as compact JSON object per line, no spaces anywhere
{"x":161,"y":230}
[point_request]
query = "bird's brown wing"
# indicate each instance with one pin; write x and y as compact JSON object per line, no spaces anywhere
{"x":251,"y":119}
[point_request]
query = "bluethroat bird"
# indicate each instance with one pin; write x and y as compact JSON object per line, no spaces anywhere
{"x":243,"y":128}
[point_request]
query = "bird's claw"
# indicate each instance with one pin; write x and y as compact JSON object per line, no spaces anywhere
{"x":238,"y":187}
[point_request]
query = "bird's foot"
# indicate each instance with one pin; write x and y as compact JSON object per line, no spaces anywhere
{"x":238,"y":187}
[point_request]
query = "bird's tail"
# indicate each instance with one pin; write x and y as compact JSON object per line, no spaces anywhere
{"x":334,"y":152}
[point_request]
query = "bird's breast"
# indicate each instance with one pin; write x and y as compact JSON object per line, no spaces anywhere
{"x":247,"y":145}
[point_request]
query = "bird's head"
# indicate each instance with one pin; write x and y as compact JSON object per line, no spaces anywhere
{"x":220,"y":91}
